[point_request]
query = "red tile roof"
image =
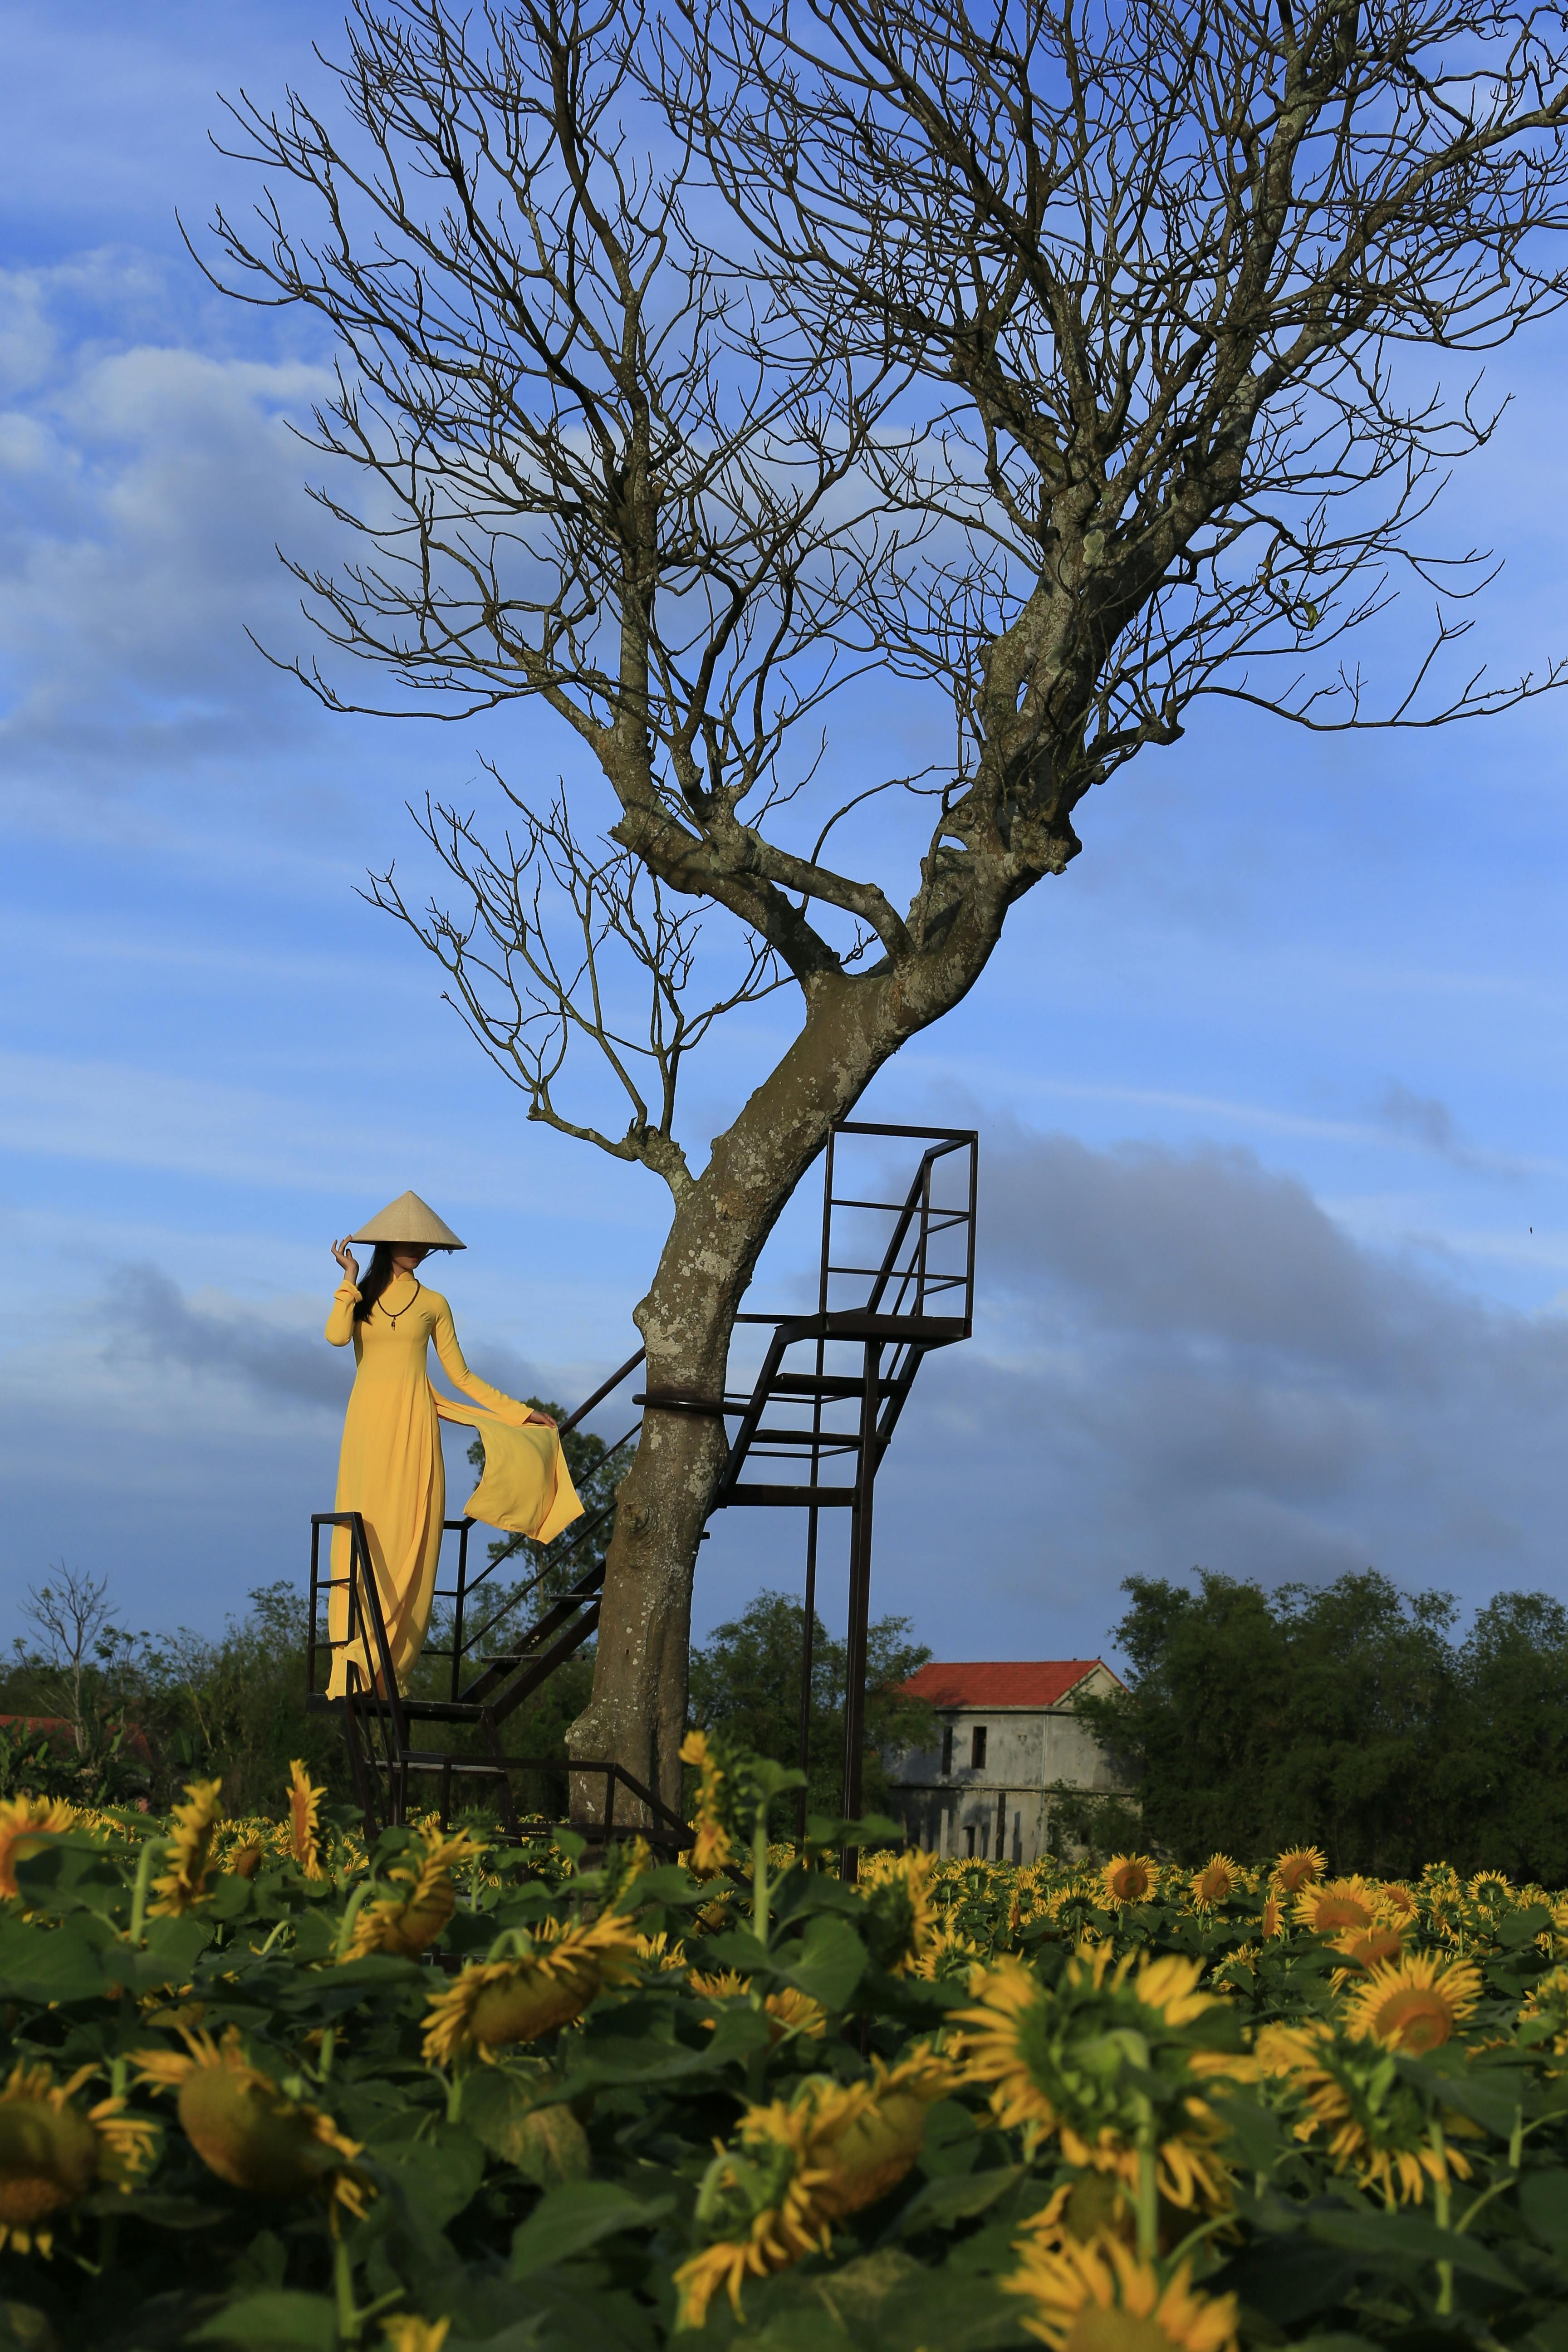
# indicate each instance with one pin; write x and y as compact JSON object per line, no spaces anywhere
{"x":1005,"y":1681}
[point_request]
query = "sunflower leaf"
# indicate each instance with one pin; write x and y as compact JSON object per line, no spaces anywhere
{"x":1394,"y":2240}
{"x":278,"y":2320}
{"x":568,"y":2221}
{"x":957,"y":2198}
{"x":828,"y":1962}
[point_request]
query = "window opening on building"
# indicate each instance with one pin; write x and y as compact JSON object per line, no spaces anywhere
{"x":946,"y":1750}
{"x":969,"y":1839}
{"x":977,"y":1748}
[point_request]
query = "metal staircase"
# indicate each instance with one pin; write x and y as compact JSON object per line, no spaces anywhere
{"x":841,"y":1373}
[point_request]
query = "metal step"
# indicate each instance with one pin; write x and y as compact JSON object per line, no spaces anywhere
{"x":888,"y":1348}
{"x":776,"y":1498}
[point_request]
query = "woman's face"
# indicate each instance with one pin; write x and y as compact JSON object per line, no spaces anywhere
{"x":406,"y":1256}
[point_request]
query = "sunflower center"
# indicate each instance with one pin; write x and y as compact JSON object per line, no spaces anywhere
{"x":1416,"y":2016}
{"x":1100,"y":2330}
{"x":1341,"y":1911}
{"x":49,"y":2158}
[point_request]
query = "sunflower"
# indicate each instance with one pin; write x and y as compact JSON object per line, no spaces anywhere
{"x":1273,"y":1925}
{"x":190,"y":1860}
{"x":1397,"y":1898}
{"x":719,"y":1984}
{"x":791,"y":2010}
{"x":52,"y":2152}
{"x":408,"y":2334}
{"x":1243,"y":1959}
{"x":1415,"y":2005}
{"x":1128,"y":1878}
{"x":797,"y":2012}
{"x":1101,"y":2061}
{"x":659,"y":1951}
{"x":800,"y":2166}
{"x":1329,"y":1910}
{"x":711,"y":1848}
{"x":1088,"y":2206}
{"x":1301,"y":1867}
{"x":499,"y":2002}
{"x":948,"y":1952}
{"x":1216,"y":1883}
{"x":1493,"y":1890}
{"x":1366,"y":1948}
{"x":304,"y":1805}
{"x":1545,"y":2013}
{"x":408,"y":1923}
{"x":26,"y":1823}
{"x":1100,"y":2298}
{"x":1375,"y":2125}
{"x":903,"y":1926}
{"x":246,"y":2130}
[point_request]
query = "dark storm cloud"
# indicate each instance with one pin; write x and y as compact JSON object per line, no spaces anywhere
{"x":148,"y":1315}
{"x":1193,"y":1247}
{"x":1183,"y":1359}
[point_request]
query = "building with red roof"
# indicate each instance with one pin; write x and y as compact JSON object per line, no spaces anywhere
{"x":1009,"y":1740}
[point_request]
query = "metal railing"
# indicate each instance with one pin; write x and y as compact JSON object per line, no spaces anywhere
{"x":920,"y":1297}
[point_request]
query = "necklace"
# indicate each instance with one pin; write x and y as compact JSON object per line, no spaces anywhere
{"x":386,"y":1310}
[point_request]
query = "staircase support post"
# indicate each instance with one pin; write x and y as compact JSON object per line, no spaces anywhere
{"x":860,"y":1599}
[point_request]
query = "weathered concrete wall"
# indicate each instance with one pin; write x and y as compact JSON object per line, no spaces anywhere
{"x":1000,"y":1809}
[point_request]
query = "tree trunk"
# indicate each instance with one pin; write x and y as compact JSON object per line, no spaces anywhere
{"x":637,"y":1712}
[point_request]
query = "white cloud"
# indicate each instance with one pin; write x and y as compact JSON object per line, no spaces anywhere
{"x":153,"y":483}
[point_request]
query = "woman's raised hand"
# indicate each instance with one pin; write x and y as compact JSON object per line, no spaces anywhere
{"x":347,"y":1260}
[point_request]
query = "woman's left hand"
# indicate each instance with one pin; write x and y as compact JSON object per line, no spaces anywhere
{"x":540,"y":1420}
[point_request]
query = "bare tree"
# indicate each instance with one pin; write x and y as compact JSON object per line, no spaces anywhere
{"x":72,"y":1617}
{"x":1054,"y":360}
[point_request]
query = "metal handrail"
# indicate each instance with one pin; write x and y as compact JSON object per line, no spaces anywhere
{"x":892,"y":1329}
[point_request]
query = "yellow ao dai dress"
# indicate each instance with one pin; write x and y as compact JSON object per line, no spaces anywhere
{"x":391,"y":1467}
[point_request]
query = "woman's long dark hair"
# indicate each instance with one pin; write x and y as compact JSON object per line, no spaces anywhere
{"x":374,"y":1280}
{"x":376,"y":1276}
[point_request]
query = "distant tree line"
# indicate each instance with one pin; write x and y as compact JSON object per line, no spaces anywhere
{"x":1349,"y":1715}
{"x":129,"y":1717}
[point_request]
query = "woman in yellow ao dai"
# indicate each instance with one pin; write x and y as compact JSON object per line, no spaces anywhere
{"x":391,"y":1468}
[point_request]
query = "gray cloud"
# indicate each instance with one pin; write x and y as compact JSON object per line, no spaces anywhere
{"x":1205,"y":1248}
{"x":148,"y":1315}
{"x":1184,"y":1361}
{"x":1422,"y":1118}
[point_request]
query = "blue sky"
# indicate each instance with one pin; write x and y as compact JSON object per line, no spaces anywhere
{"x":1274,"y":1256}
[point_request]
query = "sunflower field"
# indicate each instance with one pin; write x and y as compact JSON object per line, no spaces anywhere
{"x":263,"y":2087}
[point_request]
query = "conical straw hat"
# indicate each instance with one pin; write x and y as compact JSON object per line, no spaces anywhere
{"x":409,"y":1219}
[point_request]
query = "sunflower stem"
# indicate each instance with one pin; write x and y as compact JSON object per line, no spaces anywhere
{"x":1148,"y":2200}
{"x":350,"y":1913}
{"x":1504,"y":2180}
{"x":152,"y":1852}
{"x":760,"y":1891}
{"x":1442,"y":2208}
{"x":343,"y":2291}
